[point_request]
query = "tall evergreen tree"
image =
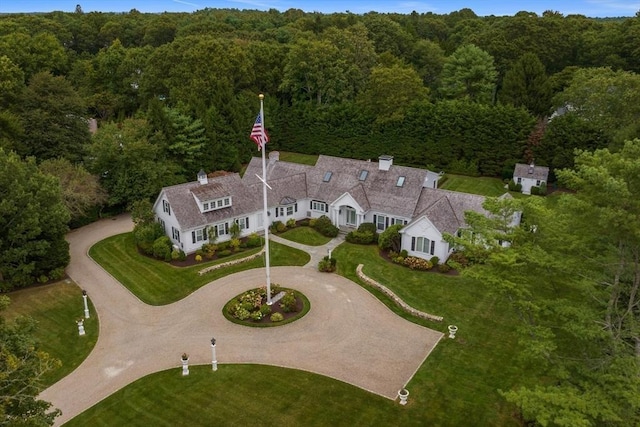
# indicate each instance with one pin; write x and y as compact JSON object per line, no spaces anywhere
{"x":525,"y":84}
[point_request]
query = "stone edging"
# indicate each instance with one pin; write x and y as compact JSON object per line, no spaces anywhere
{"x":406,"y":307}
{"x":230,"y":263}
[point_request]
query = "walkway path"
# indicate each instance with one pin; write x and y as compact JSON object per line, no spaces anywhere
{"x":348,"y":334}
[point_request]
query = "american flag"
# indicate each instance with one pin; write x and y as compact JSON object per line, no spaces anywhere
{"x":258,"y":133}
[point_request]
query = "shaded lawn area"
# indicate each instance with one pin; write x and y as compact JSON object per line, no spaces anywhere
{"x":304,"y":159}
{"x":484,"y":186}
{"x":56,"y":307}
{"x":305,"y":235}
{"x":158,"y":283}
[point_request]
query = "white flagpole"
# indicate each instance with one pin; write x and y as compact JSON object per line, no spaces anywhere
{"x":265,"y":215}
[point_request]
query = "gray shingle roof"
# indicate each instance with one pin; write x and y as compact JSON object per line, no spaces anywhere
{"x":186,"y":209}
{"x":445,"y":209}
{"x":379,"y":192}
{"x":525,"y":171}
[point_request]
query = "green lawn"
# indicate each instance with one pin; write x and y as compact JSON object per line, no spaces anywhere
{"x":157,"y":283}
{"x":457,"y":385}
{"x":484,"y":186}
{"x":243,"y":395}
{"x":306,"y":236}
{"x":56,"y":307}
{"x":305,"y":159}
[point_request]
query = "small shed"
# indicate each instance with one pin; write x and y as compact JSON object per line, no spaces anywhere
{"x":530,"y":176}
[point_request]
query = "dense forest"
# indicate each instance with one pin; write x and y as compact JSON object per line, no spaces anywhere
{"x":174,"y":93}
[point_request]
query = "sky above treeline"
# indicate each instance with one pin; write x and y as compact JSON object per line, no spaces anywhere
{"x":591,"y":8}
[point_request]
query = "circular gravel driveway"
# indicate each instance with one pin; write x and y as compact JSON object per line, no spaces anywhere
{"x":348,"y":334}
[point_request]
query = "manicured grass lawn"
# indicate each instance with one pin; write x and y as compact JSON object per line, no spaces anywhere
{"x":157,"y":283}
{"x":457,"y":385}
{"x":484,"y":186}
{"x":462,"y":376}
{"x":305,"y":159}
{"x":56,"y":307}
{"x":243,"y":395}
{"x":306,"y":236}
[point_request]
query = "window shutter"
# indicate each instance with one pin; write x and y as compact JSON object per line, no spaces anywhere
{"x":295,"y":207}
{"x":204,"y":233}
{"x":386,"y":222}
{"x":226,"y":228}
{"x":433,"y":246}
{"x":193,"y":237}
{"x":413,"y":243}
{"x":277,"y":212}
{"x":326,"y":208}
{"x":375,"y":220}
{"x":247,"y":221}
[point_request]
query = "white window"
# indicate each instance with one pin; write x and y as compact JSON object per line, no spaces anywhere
{"x":205,"y":206}
{"x":227,"y":201}
{"x":200,"y":235}
{"x":519,"y":180}
{"x":243,"y":223}
{"x":398,"y":221}
{"x":289,"y":210}
{"x":537,"y":182}
{"x":175,"y":233}
{"x":221,"y":229}
{"x":166,"y":207}
{"x":381,"y":222}
{"x":220,"y":203}
{"x":164,"y":227}
{"x":319,"y":206}
{"x":425,"y":245}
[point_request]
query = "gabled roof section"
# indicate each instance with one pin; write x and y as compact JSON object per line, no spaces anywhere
{"x":379,"y":188}
{"x":185,"y":207}
{"x":289,"y":188}
{"x":360,"y":196}
{"x":446,"y":208}
{"x":531,"y":171}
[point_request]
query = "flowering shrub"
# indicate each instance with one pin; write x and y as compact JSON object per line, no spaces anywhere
{"x":291,"y":223}
{"x":277,"y":317}
{"x":235,"y":244}
{"x":416,"y":263}
{"x":327,"y":265}
{"x":198,"y":258}
{"x":209,"y":250}
{"x":288,"y":302}
{"x":252,"y":305}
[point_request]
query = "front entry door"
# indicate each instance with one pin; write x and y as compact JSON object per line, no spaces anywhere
{"x":351,"y":216}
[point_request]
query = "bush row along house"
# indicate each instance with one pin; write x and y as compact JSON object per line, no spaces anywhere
{"x":349,"y":192}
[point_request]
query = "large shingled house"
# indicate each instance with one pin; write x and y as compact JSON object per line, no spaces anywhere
{"x":347,"y":191}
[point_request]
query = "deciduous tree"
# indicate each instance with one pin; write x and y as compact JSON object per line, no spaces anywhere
{"x":22,"y":366}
